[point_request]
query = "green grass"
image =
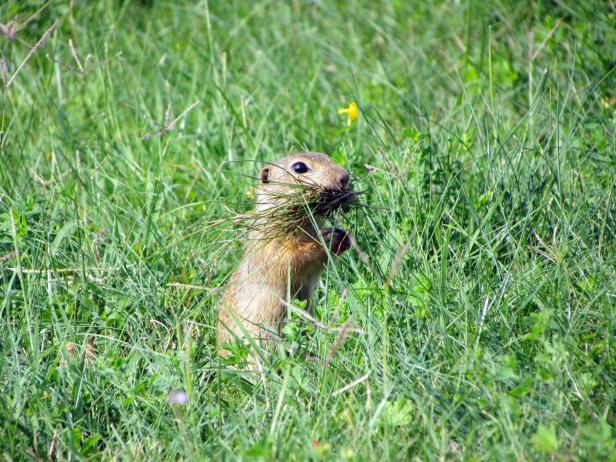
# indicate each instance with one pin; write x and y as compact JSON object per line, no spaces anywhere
{"x":484,"y":285}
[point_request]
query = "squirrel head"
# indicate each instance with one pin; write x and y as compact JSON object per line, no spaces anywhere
{"x":301,"y":173}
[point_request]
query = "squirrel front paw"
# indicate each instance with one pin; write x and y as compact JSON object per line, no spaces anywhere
{"x":338,"y":240}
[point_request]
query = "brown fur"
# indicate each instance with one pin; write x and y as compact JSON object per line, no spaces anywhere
{"x":276,"y":269}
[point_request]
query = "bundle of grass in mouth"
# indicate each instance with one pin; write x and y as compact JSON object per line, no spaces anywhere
{"x":296,"y":210}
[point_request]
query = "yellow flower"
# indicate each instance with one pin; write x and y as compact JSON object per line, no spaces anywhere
{"x":352,"y":112}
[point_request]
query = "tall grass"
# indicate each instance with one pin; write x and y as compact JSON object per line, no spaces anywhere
{"x":474,"y":319}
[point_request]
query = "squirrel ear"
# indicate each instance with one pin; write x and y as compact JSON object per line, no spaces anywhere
{"x":264,"y":175}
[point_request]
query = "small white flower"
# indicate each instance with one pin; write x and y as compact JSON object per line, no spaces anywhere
{"x":177,"y":396}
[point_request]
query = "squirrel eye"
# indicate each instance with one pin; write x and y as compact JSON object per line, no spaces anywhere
{"x":299,"y":167}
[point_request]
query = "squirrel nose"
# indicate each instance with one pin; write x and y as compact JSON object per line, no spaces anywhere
{"x":344,"y":180}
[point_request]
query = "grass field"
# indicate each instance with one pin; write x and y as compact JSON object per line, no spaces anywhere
{"x":483,"y":287}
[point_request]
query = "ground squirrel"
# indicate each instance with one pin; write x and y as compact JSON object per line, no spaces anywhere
{"x":286,"y":248}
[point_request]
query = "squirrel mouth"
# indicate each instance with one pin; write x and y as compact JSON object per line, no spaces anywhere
{"x":330,"y":200}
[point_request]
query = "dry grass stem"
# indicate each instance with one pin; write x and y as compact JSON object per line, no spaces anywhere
{"x":31,"y":53}
{"x":344,"y":332}
{"x":4,"y":71}
{"x":351,"y":385}
{"x":168,"y":125}
{"x":304,"y":314}
{"x":178,"y":285}
{"x":398,"y":259}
